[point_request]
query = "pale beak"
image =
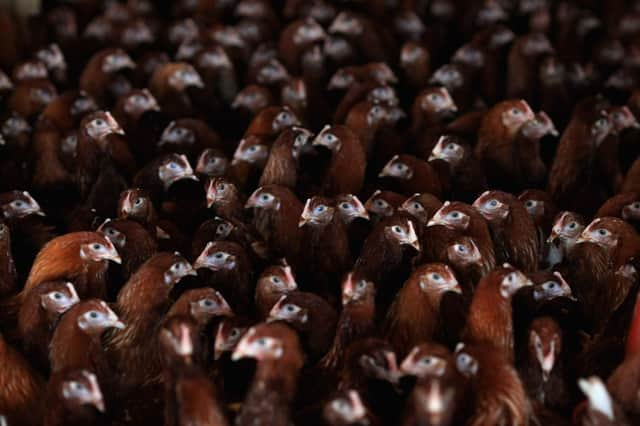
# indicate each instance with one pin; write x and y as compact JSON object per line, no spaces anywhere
{"x":95,"y":397}
{"x":412,"y":238}
{"x":359,"y":410}
{"x":290,"y":280}
{"x":394,"y":372}
{"x":211,"y":194}
{"x":127,"y":205}
{"x":547,"y":362}
{"x":218,"y":346}
{"x":185,"y":345}
{"x":114,"y":321}
{"x":201,"y":261}
{"x":113,"y":124}
{"x":348,"y":290}
{"x":305,"y":217}
{"x":252,"y":201}
{"x":407,"y":364}
{"x":244,"y":349}
{"x":113,"y":255}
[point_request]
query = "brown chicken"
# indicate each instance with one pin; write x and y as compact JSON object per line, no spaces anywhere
{"x":282,"y":165}
{"x":211,"y":163}
{"x":274,"y":282}
{"x":410,"y":175}
{"x":276,"y":214}
{"x":140,"y":305}
{"x":567,"y":227}
{"x":38,"y":316}
{"x":103,"y":78}
{"x":229,"y":270}
{"x":31,"y":97}
{"x":490,"y":319}
{"x":418,"y":302}
{"x":500,"y":397}
{"x":187,"y":136}
{"x":347,"y":408}
{"x":21,"y":391}
{"x":514,"y":234}
{"x":74,"y":398}
{"x":431,"y":109}
{"x":327,"y":241}
{"x":8,"y":273}
{"x":383,"y":204}
{"x":346,"y":168}
{"x":421,"y":206}
{"x":311,"y":316}
{"x":542,"y":367}
{"x":77,"y":340}
{"x":543,"y":211}
{"x":625,"y":206}
{"x":496,"y":138}
{"x":224,"y":198}
{"x":279,"y":358}
{"x":171,"y":84}
{"x":190,"y":398}
{"x":158,"y":176}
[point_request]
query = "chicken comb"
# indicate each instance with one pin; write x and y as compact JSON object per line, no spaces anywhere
{"x":633,"y":338}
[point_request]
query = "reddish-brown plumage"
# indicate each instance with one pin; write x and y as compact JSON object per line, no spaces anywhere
{"x":276,"y":215}
{"x":38,"y":316}
{"x":500,"y":397}
{"x":20,"y":388}
{"x":542,"y":210}
{"x":383,"y":204}
{"x":310,"y":315}
{"x":274,"y":282}
{"x":140,"y":305}
{"x":224,"y":198}
{"x":414,"y":316}
{"x":187,"y":136}
{"x":489,"y":319}
{"x":431,"y":109}
{"x":421,"y":206}
{"x":282,"y":164}
{"x":77,"y":340}
{"x":365,"y":120}
{"x":74,"y":398}
{"x":514,"y":233}
{"x":8,"y":274}
{"x":296,"y":38}
{"x":345,"y":171}
{"x":624,"y":205}
{"x":103,"y":74}
{"x":170,"y":85}
{"x":279,"y":360}
{"x":496,"y":138}
{"x":410,"y":174}
{"x":30,"y":98}
{"x":271,"y":121}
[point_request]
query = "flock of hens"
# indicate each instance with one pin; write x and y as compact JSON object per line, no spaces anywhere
{"x":320,"y":212}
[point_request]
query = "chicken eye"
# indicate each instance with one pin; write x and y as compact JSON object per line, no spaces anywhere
{"x":375,"y":110}
{"x":111,"y":231}
{"x":434,"y":97}
{"x":57,"y":295}
{"x":99,"y":122}
{"x":138,"y":202}
{"x":603,"y":232}
{"x":234,"y":332}
{"x":284,"y":116}
{"x":275,"y":279}
{"x":93,"y":315}
{"x":601,"y":123}
{"x":436,"y":277}
{"x":252,"y":148}
{"x":362,"y":284}
{"x":179,"y":131}
{"x":290,"y":308}
{"x":208,"y":303}
{"x":320,"y":209}
{"x":340,"y":405}
{"x":177,"y":267}
{"x":510,"y":278}
{"x":222,"y":186}
{"x":265,"y":197}
{"x":329,"y":137}
{"x":381,"y":203}
{"x":76,"y":386}
{"x":529,"y":204}
{"x":97,"y":247}
{"x":451,"y":146}
{"x":515,"y":111}
{"x":551,"y":285}
{"x":212,"y":160}
{"x":399,"y":166}
{"x":345,"y":206}
{"x":222,"y":229}
{"x":635,"y":206}
{"x":416,"y":206}
{"x":397,"y":229}
{"x":218,"y":255}
{"x":262,"y":341}
{"x":454,"y":215}
{"x":460,"y":248}
{"x":173,"y":165}
{"x":426,"y":360}
{"x":573,"y":225}
{"x":492,"y":203}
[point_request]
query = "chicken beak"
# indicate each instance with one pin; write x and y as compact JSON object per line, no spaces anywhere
{"x":360,"y":210}
{"x":95,"y":394}
{"x":319,"y":140}
{"x":553,"y":236}
{"x":359,"y":410}
{"x":244,"y":349}
{"x":34,"y":207}
{"x":387,"y":170}
{"x":219,"y":343}
{"x":185,"y":345}
{"x":394,"y":372}
{"x":223,"y":306}
{"x":112,"y":254}
{"x":252,"y":201}
{"x":348,"y":290}
{"x":597,"y":395}
{"x":412,"y":238}
{"x":290,"y":280}
{"x":305,"y":217}
{"x":547,"y":362}
{"x":114,"y":321}
{"x":127,"y":204}
{"x":274,"y":313}
{"x":201,"y":261}
{"x":406,"y":367}
{"x":211,"y":194}
{"x":74,"y":298}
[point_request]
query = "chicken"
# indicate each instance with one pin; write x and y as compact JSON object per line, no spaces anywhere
{"x":38,"y":316}
{"x":542,"y":368}
{"x":543,"y":211}
{"x":566,"y":229}
{"x":514,"y":234}
{"x":383,"y":204}
{"x":282,"y":165}
{"x":276,"y":215}
{"x":418,"y":302}
{"x":328,"y":245}
{"x":410,"y":175}
{"x":382,"y":259}
{"x":211,"y":163}
{"x":430,"y":110}
{"x":229,"y":270}
{"x":430,"y":404}
{"x":490,"y":319}
{"x":624,"y":205}
{"x":346,"y":408}
{"x":421,"y":206}
{"x":224,"y":198}
{"x":499,"y":396}
{"x":171,"y":84}
{"x":277,"y":351}
{"x":346,"y":168}
{"x":22,"y":388}
{"x":310,"y":315}
{"x":358,"y":30}
{"x":496,"y":139}
{"x":103,"y":79}
{"x":77,"y":340}
{"x":158,"y":176}
{"x":274,"y":282}
{"x":134,"y":244}
{"x":467,"y":175}
{"x":357,"y":320}
{"x":233,"y":377}
{"x":140,"y":305}
{"x":30,"y":98}
{"x":74,"y":397}
{"x":189,"y":396}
